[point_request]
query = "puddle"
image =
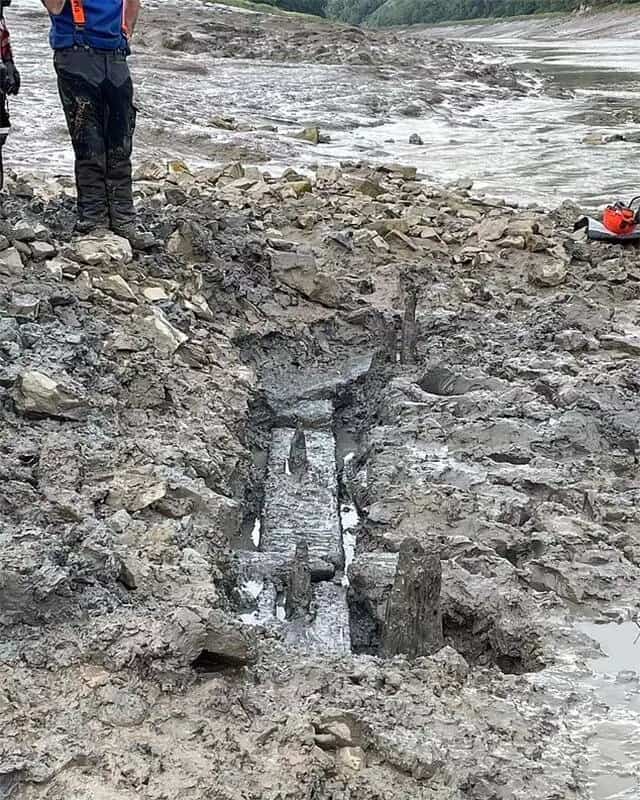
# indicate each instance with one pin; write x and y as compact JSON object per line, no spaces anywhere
{"x":263,"y":597}
{"x":349,"y":520}
{"x":256,"y":533}
{"x":603,"y":692}
{"x":620,"y":643}
{"x":281,"y":607}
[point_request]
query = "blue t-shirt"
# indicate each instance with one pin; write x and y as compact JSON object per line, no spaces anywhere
{"x":102,"y":29}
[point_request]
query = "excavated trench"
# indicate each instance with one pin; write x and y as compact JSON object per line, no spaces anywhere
{"x":295,"y":546}
{"x":309,"y":562}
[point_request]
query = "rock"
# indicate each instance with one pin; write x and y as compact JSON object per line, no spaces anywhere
{"x":416,"y":139}
{"x":54,"y":268}
{"x":450,"y":662}
{"x":155,"y":294}
{"x":309,"y":135}
{"x":41,"y":251}
{"x":224,"y":123}
{"x":312,"y":135}
{"x":63,"y":267}
{"x":23,"y":232}
{"x":385,"y":226}
{"x":103,"y":250}
{"x":403,"y":239}
{"x":175,"y":196}
{"x":150,"y":171}
{"x":225,"y":644}
{"x":180,"y":243}
{"x":413,"y":619}
{"x":119,"y":521}
{"x":24,"y":306}
{"x":325,"y":741}
{"x":301,"y":272}
{"x":350,"y":759}
{"x":167,"y":338}
{"x":629,"y":344}
{"x":136,"y":489}
{"x":127,"y":577}
{"x":120,"y":708}
{"x":233,"y":170}
{"x":328,"y":175}
{"x":11,"y":262}
{"x":406,"y":172}
{"x":340,"y":732}
{"x":576,"y":341}
{"x":198,"y":304}
{"x":115,"y":286}
{"x":38,"y":394}
{"x":301,"y":187}
{"x":179,"y":41}
{"x":491,"y":229}
{"x":548,"y":273}
{"x":23,"y":248}
{"x":370,"y":188}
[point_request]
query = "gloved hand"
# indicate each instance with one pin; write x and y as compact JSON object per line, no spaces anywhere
{"x":10,"y":78}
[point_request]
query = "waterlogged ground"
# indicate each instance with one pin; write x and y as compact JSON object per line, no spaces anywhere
{"x":601,"y":686}
{"x":526,"y":146}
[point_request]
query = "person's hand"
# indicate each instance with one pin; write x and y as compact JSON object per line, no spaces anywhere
{"x":10,"y":78}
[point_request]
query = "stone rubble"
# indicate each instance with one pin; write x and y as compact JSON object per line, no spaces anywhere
{"x":468,"y":374}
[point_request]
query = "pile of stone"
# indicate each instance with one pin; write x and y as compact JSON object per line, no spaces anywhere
{"x":497,"y":426}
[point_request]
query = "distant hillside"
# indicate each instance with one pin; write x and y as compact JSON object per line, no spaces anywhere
{"x":413,"y":12}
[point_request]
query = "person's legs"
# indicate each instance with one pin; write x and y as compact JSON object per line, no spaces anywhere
{"x":120,"y":126}
{"x":80,"y":78}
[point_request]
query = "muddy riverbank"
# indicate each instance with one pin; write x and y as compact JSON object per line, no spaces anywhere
{"x":213,"y":454}
{"x":340,"y":362}
{"x":617,"y":23}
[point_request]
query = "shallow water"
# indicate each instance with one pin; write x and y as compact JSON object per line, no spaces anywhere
{"x":603,"y":693}
{"x":529,"y":149}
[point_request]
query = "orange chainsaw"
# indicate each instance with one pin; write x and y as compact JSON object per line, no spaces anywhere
{"x":620,"y":218}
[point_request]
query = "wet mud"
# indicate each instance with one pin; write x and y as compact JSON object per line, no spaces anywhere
{"x":216,"y":455}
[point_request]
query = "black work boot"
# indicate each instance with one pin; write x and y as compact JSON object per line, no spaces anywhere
{"x":87,"y":227}
{"x":138,"y":239}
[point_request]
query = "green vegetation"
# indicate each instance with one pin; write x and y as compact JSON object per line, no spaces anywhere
{"x":411,"y":12}
{"x":316,"y":7}
{"x":304,"y":8}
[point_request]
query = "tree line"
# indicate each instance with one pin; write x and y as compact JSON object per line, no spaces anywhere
{"x":412,"y":12}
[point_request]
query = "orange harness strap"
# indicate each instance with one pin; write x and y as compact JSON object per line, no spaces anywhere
{"x":80,"y":18}
{"x":77,"y":10}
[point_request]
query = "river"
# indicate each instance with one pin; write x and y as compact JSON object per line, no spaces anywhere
{"x":528,"y":149}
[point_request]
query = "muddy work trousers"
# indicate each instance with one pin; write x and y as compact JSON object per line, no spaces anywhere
{"x":97,"y":96}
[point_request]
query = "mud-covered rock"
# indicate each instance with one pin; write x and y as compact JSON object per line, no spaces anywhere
{"x":40,"y":394}
{"x":104,"y":250}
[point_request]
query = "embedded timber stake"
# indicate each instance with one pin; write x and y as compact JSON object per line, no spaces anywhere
{"x":409,"y":334}
{"x":413,"y":619}
{"x":299,"y":592}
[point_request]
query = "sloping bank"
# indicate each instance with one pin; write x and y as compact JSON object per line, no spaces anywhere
{"x":618,"y":23}
{"x":182,"y":432}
